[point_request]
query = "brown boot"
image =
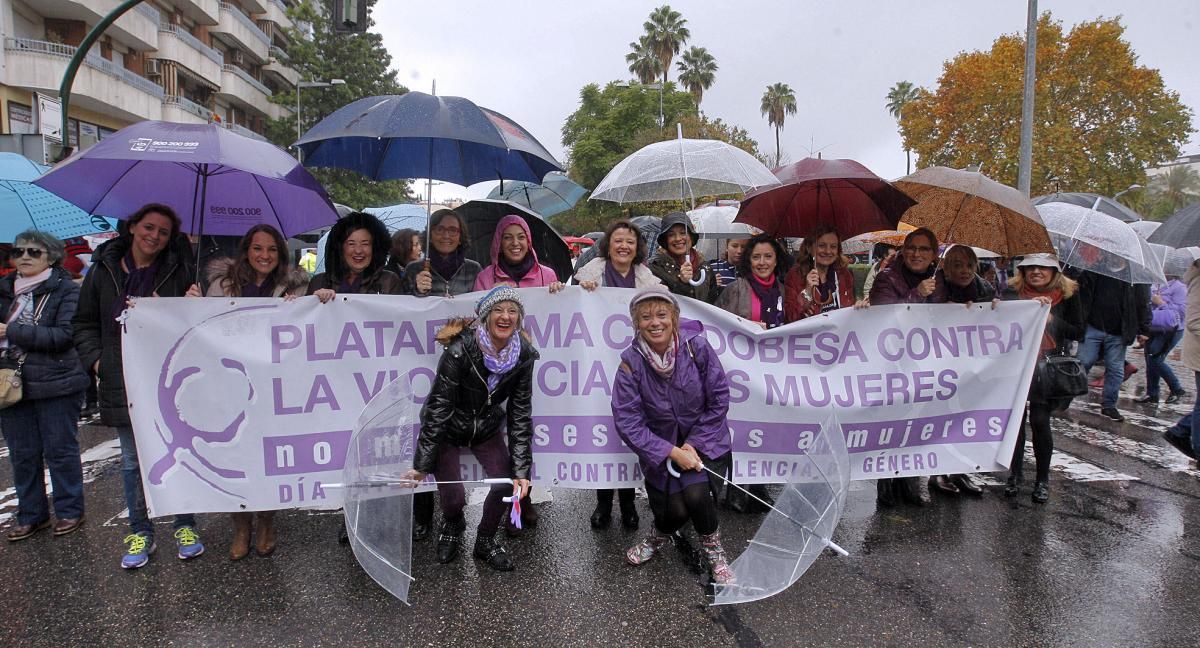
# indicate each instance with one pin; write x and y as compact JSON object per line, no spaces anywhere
{"x":265,"y":540}
{"x":241,"y":535}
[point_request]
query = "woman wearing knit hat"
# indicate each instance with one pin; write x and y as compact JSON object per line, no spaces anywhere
{"x":484,"y":385}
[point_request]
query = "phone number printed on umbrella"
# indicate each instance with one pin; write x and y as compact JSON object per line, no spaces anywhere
{"x":234,"y":211}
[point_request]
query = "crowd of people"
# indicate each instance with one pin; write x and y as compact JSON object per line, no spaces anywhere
{"x":63,"y":336}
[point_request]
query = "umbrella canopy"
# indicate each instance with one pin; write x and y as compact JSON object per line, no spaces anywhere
{"x":482,"y":216}
{"x":863,"y":243}
{"x":416,"y":135}
{"x":842,"y":193}
{"x":1089,"y":240}
{"x":713,"y":222}
{"x":1145,"y":228}
{"x":220,"y":183}
{"x":27,"y":206}
{"x":1102,"y":204}
{"x":1182,"y":229}
{"x":1177,"y":262}
{"x":683,"y":169}
{"x":555,"y":195}
{"x":797,"y":529}
{"x":649,"y":226}
{"x":970,"y":208}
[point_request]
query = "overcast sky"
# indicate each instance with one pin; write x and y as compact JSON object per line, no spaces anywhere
{"x":528,"y":59}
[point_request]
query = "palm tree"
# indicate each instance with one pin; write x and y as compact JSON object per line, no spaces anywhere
{"x":900,"y":94}
{"x":778,"y":102}
{"x":643,"y":61}
{"x":1178,"y":187}
{"x":697,"y":71}
{"x":667,"y":33}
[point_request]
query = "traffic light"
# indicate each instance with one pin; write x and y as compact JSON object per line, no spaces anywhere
{"x":350,"y":16}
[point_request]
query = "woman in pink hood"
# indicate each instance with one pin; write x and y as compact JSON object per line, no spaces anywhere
{"x":514,"y":262}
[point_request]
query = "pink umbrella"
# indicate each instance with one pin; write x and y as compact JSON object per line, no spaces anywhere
{"x":842,"y":193}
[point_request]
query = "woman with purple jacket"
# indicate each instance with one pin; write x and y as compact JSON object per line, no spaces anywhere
{"x":669,"y":404}
{"x":1168,"y":303}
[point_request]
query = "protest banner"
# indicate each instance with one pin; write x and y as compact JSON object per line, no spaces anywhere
{"x":249,"y":404}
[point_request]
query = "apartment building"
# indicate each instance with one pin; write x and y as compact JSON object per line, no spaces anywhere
{"x":189,"y":61}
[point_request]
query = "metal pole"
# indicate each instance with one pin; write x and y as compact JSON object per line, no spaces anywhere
{"x":297,"y":121}
{"x":1025,"y":170}
{"x":68,"y":80}
{"x":661,"y":120}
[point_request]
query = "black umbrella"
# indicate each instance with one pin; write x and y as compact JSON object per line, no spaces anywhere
{"x":483,"y":215}
{"x":1181,"y":230}
{"x":1106,"y":206}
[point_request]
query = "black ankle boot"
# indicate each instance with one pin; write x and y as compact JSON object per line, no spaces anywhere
{"x":885,"y":493}
{"x":629,"y":514}
{"x":1012,"y":485}
{"x":449,"y":540}
{"x":486,"y":548}
{"x":602,"y":516}
{"x":737,"y":500}
{"x":1041,"y":492}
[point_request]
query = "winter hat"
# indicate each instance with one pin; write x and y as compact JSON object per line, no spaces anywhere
{"x":73,"y":265}
{"x":654,"y":292}
{"x":1041,"y":260}
{"x":676,"y":218}
{"x":494,"y":297}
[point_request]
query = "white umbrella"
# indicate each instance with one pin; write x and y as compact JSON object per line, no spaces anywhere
{"x":1145,"y":228}
{"x":1177,"y":262}
{"x":682,"y":169}
{"x":1089,"y":240}
{"x":714,"y":222}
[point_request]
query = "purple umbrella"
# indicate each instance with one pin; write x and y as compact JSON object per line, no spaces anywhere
{"x":219,"y":182}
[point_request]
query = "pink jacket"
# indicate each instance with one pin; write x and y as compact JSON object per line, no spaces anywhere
{"x":491,"y":276}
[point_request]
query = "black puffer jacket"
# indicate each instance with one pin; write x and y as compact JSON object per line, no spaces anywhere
{"x":383,"y":282}
{"x":51,"y":366}
{"x":98,"y":335}
{"x":462,"y":412}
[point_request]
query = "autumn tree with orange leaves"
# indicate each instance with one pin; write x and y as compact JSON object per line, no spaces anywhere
{"x":1100,"y":118}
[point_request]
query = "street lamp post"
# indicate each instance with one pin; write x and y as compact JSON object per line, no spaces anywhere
{"x":653,"y":86}
{"x":1133,"y":187}
{"x":310,"y":84}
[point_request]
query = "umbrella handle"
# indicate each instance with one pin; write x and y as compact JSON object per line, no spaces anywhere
{"x":697,"y":282}
{"x":673,"y":471}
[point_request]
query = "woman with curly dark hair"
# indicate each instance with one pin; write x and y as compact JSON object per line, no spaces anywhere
{"x":355,"y":254}
{"x":406,"y":248}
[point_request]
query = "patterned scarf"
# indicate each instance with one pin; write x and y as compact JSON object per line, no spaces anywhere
{"x":23,"y":307}
{"x":498,"y":363}
{"x":663,"y":365}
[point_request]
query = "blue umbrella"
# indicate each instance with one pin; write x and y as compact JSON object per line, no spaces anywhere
{"x":416,"y":135}
{"x":555,"y":195}
{"x":27,"y":206}
{"x":395,"y":218}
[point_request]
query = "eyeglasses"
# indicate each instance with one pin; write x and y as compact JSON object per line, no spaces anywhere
{"x":444,"y":230}
{"x":32,"y":253}
{"x":918,"y":248}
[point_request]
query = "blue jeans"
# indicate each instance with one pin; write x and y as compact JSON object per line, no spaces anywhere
{"x":1189,"y":425}
{"x":45,"y":430}
{"x":1157,"y":348}
{"x":1097,"y":343}
{"x":135,"y":498}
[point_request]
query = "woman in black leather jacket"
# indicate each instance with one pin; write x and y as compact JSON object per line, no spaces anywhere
{"x":484,"y":367}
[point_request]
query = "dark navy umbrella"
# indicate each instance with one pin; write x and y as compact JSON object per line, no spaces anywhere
{"x":416,"y":135}
{"x":1182,"y":229}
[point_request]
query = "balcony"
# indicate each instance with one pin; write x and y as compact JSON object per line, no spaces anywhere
{"x":255,"y":6}
{"x":238,"y":86}
{"x":184,"y":111}
{"x":100,"y":84}
{"x":242,"y":130}
{"x":177,"y":44}
{"x":277,"y":13}
{"x":239,"y":31}
{"x":204,"y":12}
{"x":137,"y":29}
{"x":278,"y":67}
{"x":282,"y":111}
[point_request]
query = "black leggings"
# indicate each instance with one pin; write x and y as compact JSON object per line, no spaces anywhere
{"x":672,"y":511}
{"x":604,"y":498}
{"x":1043,"y":442}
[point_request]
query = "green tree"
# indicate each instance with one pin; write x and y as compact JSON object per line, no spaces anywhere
{"x":643,"y":61}
{"x":897,"y":98}
{"x":778,"y":101}
{"x":697,"y":71}
{"x":1177,"y":188}
{"x":668,"y":32}
{"x":1100,"y":119}
{"x":364,"y":63}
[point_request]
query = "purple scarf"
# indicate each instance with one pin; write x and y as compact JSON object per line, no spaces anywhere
{"x":447,"y":266}
{"x":139,"y":282}
{"x":497,"y":363}
{"x":614,"y":279}
{"x":770,"y":298}
{"x":351,"y":285}
{"x":267,"y":289}
{"x":518,"y":271}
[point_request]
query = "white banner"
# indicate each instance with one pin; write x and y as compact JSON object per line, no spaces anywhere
{"x":249,"y":404}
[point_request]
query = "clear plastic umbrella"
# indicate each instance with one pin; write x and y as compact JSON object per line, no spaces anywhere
{"x":1145,"y":228}
{"x":1089,"y":240}
{"x":683,"y":169}
{"x":1177,"y":262}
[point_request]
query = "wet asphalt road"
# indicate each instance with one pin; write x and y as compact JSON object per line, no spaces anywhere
{"x":1108,"y":562}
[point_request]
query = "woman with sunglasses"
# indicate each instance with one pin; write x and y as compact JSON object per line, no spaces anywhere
{"x":42,"y":429}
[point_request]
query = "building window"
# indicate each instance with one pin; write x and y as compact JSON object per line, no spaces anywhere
{"x":20,"y":119}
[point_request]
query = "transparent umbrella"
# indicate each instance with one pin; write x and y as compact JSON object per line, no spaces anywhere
{"x":1145,"y":228}
{"x":1177,"y":262}
{"x":683,"y":169}
{"x":1089,"y":240}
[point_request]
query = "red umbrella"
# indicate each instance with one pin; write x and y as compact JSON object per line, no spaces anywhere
{"x":843,"y":193}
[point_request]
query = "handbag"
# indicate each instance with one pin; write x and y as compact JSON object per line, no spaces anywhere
{"x":11,"y":385}
{"x":1061,"y":375}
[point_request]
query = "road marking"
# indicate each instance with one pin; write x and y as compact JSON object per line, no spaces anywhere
{"x":1156,"y":455}
{"x":1065,"y":465}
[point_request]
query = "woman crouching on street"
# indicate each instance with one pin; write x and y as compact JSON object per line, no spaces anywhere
{"x":260,"y":270}
{"x":484,"y":366}
{"x":669,"y":404}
